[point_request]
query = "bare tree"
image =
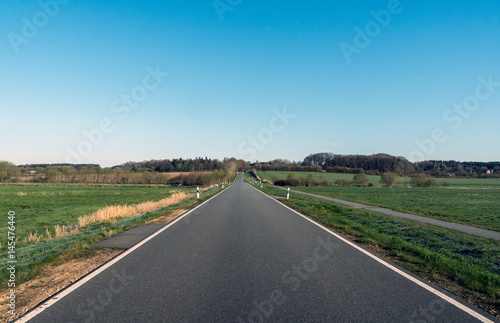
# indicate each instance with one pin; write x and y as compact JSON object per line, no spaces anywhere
{"x":389,"y":179}
{"x":8,"y":171}
{"x":360,"y":179}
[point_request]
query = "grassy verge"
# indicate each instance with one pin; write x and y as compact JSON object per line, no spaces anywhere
{"x":465,"y":265}
{"x":475,"y":207}
{"x":31,"y":257}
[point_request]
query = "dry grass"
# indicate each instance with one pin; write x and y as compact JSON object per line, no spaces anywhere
{"x":59,"y":232}
{"x":48,"y":234}
{"x":106,"y":214}
{"x":22,"y":194}
{"x":113,"y":213}
{"x":33,"y":238}
{"x":167,"y":217}
{"x":110,"y":233}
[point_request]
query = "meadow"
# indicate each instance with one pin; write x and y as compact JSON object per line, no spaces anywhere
{"x":375,"y":179}
{"x":475,"y":207}
{"x":472,"y":202}
{"x":41,"y":206}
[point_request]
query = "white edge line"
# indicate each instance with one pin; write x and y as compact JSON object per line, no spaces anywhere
{"x":383,"y":262}
{"x":58,"y":296}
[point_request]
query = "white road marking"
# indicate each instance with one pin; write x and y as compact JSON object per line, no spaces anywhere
{"x":388,"y":265}
{"x":57,"y":297}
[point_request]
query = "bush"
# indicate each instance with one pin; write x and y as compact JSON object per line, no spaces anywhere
{"x":430,"y":182}
{"x":281,"y":182}
{"x":293,"y":180}
{"x":8,"y":170}
{"x":389,"y":179}
{"x":308,"y":181}
{"x":343,"y":182}
{"x":360,"y":179}
{"x":422,"y":180}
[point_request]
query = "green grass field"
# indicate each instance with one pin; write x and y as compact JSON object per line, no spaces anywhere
{"x":477,"y":205}
{"x":403,"y":181}
{"x":38,"y":206}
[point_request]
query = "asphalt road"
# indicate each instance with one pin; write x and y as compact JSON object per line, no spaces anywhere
{"x":243,"y":257}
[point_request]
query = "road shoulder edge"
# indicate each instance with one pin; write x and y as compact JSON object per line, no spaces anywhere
{"x":452,"y":299}
{"x":51,"y":300}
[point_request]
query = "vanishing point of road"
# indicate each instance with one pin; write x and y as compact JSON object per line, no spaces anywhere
{"x":244,"y":257}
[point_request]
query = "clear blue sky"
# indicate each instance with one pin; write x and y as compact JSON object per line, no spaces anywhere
{"x":359,"y":77}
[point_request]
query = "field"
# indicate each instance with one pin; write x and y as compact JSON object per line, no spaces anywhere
{"x":468,"y":201}
{"x":475,"y":207}
{"x":465,"y":265}
{"x":403,"y":181}
{"x":38,"y":206}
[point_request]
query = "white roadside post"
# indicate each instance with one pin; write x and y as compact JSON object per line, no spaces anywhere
{"x":288,"y":194}
{"x":197,"y":192}
{"x":261,"y":184}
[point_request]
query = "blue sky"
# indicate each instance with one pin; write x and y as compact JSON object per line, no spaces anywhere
{"x":256,"y":80}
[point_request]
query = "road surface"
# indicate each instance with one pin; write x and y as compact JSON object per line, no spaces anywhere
{"x":243,"y":257}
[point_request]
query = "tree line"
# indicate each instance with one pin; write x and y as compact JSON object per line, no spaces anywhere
{"x":359,"y":180}
{"x":381,"y":164}
{"x":176,"y":165}
{"x":197,"y":171}
{"x":198,"y":164}
{"x":157,"y":171}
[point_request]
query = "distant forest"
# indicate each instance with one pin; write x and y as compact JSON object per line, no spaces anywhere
{"x":150,"y":171}
{"x":161,"y":166}
{"x":382,"y":163}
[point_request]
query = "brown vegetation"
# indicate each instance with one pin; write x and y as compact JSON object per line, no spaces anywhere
{"x":113,"y":213}
{"x":106,"y":214}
